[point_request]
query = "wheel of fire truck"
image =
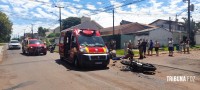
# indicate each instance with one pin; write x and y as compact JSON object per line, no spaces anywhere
{"x":61,"y":58}
{"x":28,"y":53}
{"x":45,"y":53}
{"x":76,"y":62}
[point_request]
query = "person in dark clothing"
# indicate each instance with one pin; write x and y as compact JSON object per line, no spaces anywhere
{"x":144,"y":45}
{"x":140,"y":47}
{"x":170,"y":46}
{"x":150,"y":48}
{"x":157,"y":45}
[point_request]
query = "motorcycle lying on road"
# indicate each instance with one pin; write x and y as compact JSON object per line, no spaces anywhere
{"x":52,"y":48}
{"x":133,"y":64}
{"x":139,"y":66}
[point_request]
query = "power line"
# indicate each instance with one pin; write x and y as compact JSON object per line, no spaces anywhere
{"x":111,"y":7}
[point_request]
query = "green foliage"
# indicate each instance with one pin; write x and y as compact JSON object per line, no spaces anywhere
{"x":5,"y":27}
{"x":47,"y":41}
{"x":196,"y":47}
{"x":42,"y":31}
{"x":2,"y":44}
{"x":57,"y":34}
{"x":121,"y":52}
{"x":70,"y":21}
{"x":52,"y":40}
{"x":194,"y":29}
{"x":51,"y":35}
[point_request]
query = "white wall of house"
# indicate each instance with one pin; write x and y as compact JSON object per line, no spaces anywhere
{"x":197,"y":39}
{"x":161,"y":35}
{"x":164,"y":24}
{"x":56,"y":40}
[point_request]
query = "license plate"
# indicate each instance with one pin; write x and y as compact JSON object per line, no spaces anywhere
{"x":98,"y":62}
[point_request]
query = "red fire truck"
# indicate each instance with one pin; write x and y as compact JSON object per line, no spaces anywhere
{"x":83,"y":47}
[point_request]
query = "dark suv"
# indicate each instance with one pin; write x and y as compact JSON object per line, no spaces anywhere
{"x":33,"y":47}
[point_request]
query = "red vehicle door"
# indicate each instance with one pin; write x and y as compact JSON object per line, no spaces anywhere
{"x":61,"y":45}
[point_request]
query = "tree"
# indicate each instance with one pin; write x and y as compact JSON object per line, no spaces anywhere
{"x":52,"y":35}
{"x":5,"y":27}
{"x":70,"y":21}
{"x":194,"y":27}
{"x":42,"y":31}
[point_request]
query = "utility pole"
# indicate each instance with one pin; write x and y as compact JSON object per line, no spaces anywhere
{"x":189,"y":31}
{"x":24,"y":33}
{"x":113,"y":22}
{"x":18,"y":36}
{"x":32,"y":29}
{"x":60,"y":21}
{"x":170,"y":22}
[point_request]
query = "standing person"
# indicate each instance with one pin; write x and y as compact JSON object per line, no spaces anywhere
{"x":112,"y":44}
{"x":170,"y":47}
{"x":144,"y":45}
{"x":180,"y":46}
{"x":188,"y":46}
{"x":140,"y":48}
{"x":150,"y":48}
{"x":157,"y":46}
{"x":125,"y":47}
{"x":184,"y":46}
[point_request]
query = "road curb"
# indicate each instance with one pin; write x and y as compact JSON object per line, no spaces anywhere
{"x":1,"y":53}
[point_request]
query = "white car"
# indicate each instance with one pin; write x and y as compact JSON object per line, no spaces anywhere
{"x":14,"y":44}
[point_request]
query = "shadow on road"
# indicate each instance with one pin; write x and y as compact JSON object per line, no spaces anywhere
{"x":32,"y":55}
{"x":70,"y":67}
{"x":13,"y":49}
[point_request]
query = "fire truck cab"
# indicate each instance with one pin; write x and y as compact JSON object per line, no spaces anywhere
{"x":83,"y":47}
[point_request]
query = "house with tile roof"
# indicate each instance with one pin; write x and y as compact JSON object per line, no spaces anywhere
{"x":134,"y":31}
{"x":177,"y":29}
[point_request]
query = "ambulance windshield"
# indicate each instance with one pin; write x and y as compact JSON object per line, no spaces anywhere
{"x":91,"y":41}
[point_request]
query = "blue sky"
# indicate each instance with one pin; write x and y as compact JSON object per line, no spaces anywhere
{"x":43,"y":13}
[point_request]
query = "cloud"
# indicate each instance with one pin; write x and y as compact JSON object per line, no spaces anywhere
{"x":43,"y":13}
{"x":99,"y":3}
{"x":89,"y":6}
{"x":4,"y":1}
{"x":5,"y":8}
{"x":76,"y":0}
{"x":39,"y":11}
{"x":116,"y":4}
{"x":43,"y":0}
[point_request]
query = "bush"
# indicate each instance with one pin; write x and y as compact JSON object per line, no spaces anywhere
{"x":52,"y":40}
{"x":121,"y":52}
{"x":47,"y":42}
{"x":57,"y":34}
{"x":51,"y":35}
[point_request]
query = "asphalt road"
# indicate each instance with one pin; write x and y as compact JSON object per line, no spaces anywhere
{"x":47,"y":72}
